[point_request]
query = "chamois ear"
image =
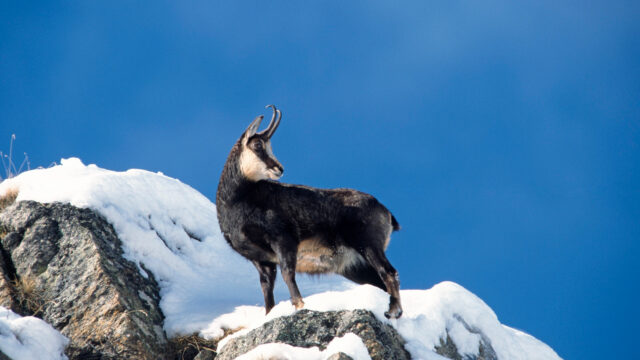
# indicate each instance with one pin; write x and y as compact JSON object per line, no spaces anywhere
{"x":252,"y":129}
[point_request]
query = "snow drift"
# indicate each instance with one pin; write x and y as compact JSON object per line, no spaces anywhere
{"x":171,"y":230}
{"x":29,"y":338}
{"x":429,"y":315}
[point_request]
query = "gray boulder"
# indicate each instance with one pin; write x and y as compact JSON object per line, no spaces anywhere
{"x":65,"y":265}
{"x":308,"y":328}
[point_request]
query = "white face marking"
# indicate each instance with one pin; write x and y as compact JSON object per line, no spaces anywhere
{"x":252,"y":167}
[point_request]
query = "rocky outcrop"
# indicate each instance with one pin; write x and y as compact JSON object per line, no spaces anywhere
{"x":65,"y":265}
{"x":308,"y":328}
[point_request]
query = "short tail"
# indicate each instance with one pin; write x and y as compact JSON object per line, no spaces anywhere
{"x":394,"y":223}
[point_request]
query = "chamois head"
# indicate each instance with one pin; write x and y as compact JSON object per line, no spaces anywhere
{"x":257,"y":161}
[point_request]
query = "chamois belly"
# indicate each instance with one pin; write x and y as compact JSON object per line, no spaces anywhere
{"x":315,"y":257}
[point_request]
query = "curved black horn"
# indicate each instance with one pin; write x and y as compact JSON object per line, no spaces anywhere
{"x":275,"y":121}
{"x":276,"y":124}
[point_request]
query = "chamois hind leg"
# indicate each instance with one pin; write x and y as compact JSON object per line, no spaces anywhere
{"x":267,"y":272}
{"x":364,"y":274}
{"x":287,"y":257}
{"x":377,"y":259}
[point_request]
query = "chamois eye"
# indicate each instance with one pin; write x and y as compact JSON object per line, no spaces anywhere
{"x":258,"y":145}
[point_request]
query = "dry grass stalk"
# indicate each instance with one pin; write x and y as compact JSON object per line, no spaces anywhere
{"x":183,"y":345}
{"x":8,"y":198}
{"x":28,"y":296}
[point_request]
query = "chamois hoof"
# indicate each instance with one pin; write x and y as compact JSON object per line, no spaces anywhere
{"x":395,"y":314}
{"x":299,"y":304}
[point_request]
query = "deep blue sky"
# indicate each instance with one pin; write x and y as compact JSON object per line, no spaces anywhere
{"x":504,"y":137}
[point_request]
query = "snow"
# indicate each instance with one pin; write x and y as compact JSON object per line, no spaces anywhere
{"x":171,"y":230}
{"x":157,"y":219}
{"x":349,"y":344}
{"x":29,"y":338}
{"x":428,"y":315}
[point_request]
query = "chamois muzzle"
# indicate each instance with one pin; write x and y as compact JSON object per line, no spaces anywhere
{"x":277,"y":170}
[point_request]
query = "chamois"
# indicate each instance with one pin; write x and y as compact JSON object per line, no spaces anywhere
{"x":303,"y":229}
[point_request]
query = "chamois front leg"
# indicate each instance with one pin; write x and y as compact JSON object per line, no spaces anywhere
{"x":267,"y":272}
{"x":287,"y":256}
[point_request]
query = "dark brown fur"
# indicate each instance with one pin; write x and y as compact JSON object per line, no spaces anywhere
{"x":302,"y":228}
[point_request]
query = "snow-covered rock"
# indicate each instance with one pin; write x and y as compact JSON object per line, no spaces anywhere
{"x":170,"y":228}
{"x":170,"y":231}
{"x":431,"y":318}
{"x":349,"y":346}
{"x":317,"y":334}
{"x":67,"y":267}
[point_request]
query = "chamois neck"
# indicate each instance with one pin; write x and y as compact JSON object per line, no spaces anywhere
{"x":232,"y":182}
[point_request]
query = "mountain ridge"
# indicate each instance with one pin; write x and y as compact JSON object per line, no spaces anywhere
{"x":166,"y":233}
